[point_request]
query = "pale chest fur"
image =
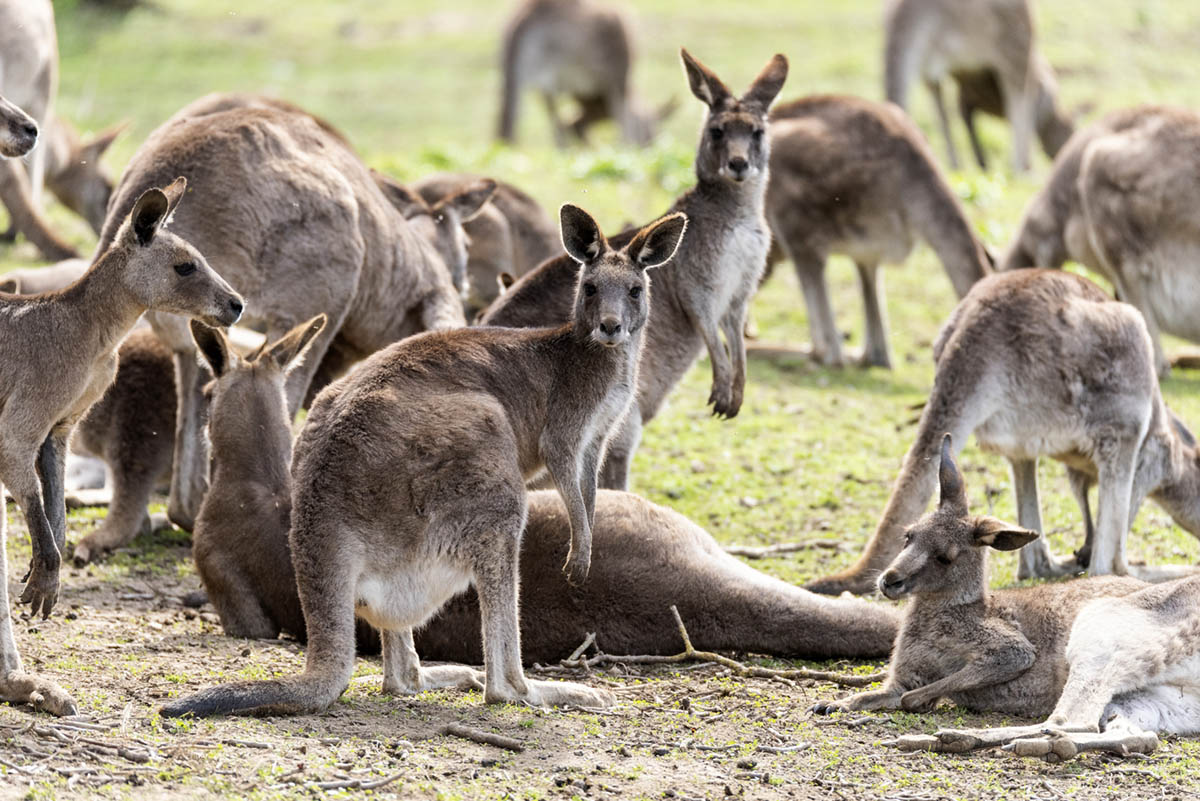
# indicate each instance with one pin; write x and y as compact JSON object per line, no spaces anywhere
{"x":101,"y":377}
{"x":738,"y":262}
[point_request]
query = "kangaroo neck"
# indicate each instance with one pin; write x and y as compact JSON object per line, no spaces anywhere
{"x":744,"y":199}
{"x":97,"y":309}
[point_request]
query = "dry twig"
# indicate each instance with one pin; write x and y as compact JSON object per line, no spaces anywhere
{"x":483,"y":737}
{"x":763,"y":551}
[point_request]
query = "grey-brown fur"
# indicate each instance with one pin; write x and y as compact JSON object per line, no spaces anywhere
{"x":299,"y":225}
{"x":57,"y":356}
{"x":579,"y":49}
{"x":457,"y":421}
{"x":987,"y":651}
{"x":855,"y":177}
{"x":1122,"y":201}
{"x":1044,"y":363}
{"x":705,"y":291}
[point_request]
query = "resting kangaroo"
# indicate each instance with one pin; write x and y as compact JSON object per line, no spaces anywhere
{"x":855,"y":177}
{"x":934,"y":39}
{"x":457,"y":421}
{"x":44,"y":390}
{"x":707,"y":287}
{"x":993,"y":652}
{"x":299,"y":225}
{"x":1121,"y":201}
{"x":1041,"y":362}
{"x":580,"y":49}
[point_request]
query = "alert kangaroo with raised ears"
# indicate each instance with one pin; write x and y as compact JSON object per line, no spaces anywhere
{"x":703,"y":293}
{"x":1041,"y":362}
{"x":57,"y":356}
{"x":457,"y":421}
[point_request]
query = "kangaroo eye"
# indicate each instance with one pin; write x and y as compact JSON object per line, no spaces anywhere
{"x":908,"y":538}
{"x":185,"y":269}
{"x":758,"y":134}
{"x":635,"y":292}
{"x":942,"y":559}
{"x":589,"y":289}
{"x":716,"y":134}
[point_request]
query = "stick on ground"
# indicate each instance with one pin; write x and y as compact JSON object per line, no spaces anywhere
{"x":483,"y":737}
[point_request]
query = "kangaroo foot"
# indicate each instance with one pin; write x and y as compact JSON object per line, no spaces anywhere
{"x":41,"y":694}
{"x":1059,"y":746}
{"x":1043,"y":564}
{"x":554,"y":693}
{"x":41,"y":587}
{"x":456,"y":677}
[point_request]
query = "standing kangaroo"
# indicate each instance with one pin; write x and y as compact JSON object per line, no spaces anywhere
{"x":935,"y":39}
{"x":57,"y":356}
{"x":1121,"y":201}
{"x":575,"y":48}
{"x":707,"y":287}
{"x":457,"y":421}
{"x":990,"y":652}
{"x":855,"y":177}
{"x":300,"y":226}
{"x":1038,"y":363}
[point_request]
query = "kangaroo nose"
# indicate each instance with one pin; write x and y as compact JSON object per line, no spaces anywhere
{"x":610,"y":326}
{"x":738,"y":164}
{"x":236,"y":306}
{"x":30,"y":129}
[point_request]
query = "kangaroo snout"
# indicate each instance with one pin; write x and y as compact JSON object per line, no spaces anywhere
{"x":22,"y":132}
{"x":893,"y":585}
{"x":229,"y":311}
{"x":610,"y":332}
{"x":738,"y":167}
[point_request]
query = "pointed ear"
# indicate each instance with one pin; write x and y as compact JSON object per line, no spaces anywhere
{"x":92,"y":150}
{"x":580,"y":235}
{"x":148,"y":214}
{"x":1000,"y":535}
{"x":214,"y":347}
{"x":704,"y":83}
{"x":768,"y":83}
{"x":174,"y":193}
{"x":504,"y":281}
{"x":470,"y":201}
{"x":953,"y":491}
{"x":10,"y":285}
{"x":657,"y":242}
{"x":403,"y":199}
{"x":289,"y":350}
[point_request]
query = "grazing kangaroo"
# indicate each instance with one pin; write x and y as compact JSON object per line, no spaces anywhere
{"x":18,"y":131}
{"x":458,"y":421}
{"x":300,"y":226}
{"x":580,"y":49}
{"x":1133,"y":671}
{"x":990,"y":652}
{"x":1121,"y":201}
{"x":935,"y":39}
{"x":707,"y":287}
{"x":44,"y":391}
{"x":855,"y":177}
{"x":1040,"y":362}
{"x":510,"y":236}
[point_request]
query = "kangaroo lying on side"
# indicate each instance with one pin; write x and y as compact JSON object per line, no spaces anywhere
{"x":706,"y":289}
{"x":457,"y":421}
{"x":855,"y":177}
{"x":987,"y":651}
{"x":1044,"y":363}
{"x":57,"y":356}
{"x":1122,"y":201}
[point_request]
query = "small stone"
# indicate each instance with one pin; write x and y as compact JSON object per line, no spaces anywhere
{"x":746,"y":764}
{"x":489,"y":762}
{"x":245,"y":652}
{"x":661,"y":751}
{"x":748,"y":502}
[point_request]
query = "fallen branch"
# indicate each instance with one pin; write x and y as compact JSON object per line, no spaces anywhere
{"x":763,"y":551}
{"x":356,"y":784}
{"x":752,"y":671}
{"x":483,"y":737}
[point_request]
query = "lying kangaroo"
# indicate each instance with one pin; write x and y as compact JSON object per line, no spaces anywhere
{"x":1121,"y":201}
{"x":18,"y":131}
{"x":855,"y":177}
{"x":44,"y":390}
{"x":1132,"y":664}
{"x":510,"y":236}
{"x":300,"y":226}
{"x":646,"y":557}
{"x":580,"y":49}
{"x":706,"y":289}
{"x":457,"y":421}
{"x":990,"y":652}
{"x":935,"y":39}
{"x":1041,"y":362}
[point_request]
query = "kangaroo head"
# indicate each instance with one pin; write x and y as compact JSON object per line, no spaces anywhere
{"x":165,"y":273}
{"x":943,"y":552}
{"x":245,"y":395}
{"x":612,"y":296}
{"x":733,"y":145}
{"x":76,"y":176}
{"x":18,"y":131}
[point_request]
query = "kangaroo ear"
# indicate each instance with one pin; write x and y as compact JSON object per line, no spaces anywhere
{"x":504,"y":281}
{"x":148,"y":214}
{"x":1000,"y":535}
{"x":403,"y":199}
{"x":768,"y":83}
{"x":174,"y":192}
{"x":290,"y":349}
{"x":470,"y":201}
{"x":657,"y":242}
{"x":92,"y":150}
{"x":10,"y":285}
{"x":954,"y":493}
{"x":704,"y":83}
{"x":214,"y":347}
{"x":580,"y":235}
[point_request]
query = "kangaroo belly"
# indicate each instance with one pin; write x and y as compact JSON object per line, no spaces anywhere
{"x":396,"y":596}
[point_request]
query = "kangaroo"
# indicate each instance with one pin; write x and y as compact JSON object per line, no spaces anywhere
{"x":18,"y":131}
{"x":580,"y":49}
{"x":856,"y":177}
{"x":1133,"y":667}
{"x":511,"y":235}
{"x":1041,"y":362}
{"x":44,"y":391}
{"x":300,"y":226}
{"x":1120,"y":201}
{"x":706,"y":289}
{"x":458,"y":420}
{"x":935,"y":39}
{"x":36,"y":280}
{"x":989,"y":652}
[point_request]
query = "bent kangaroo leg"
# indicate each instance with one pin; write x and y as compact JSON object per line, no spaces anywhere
{"x":826,"y":341}
{"x":875,"y":346}
{"x":1035,"y":560}
{"x":127,"y":517}
{"x":403,"y":673}
{"x":614,"y":473}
